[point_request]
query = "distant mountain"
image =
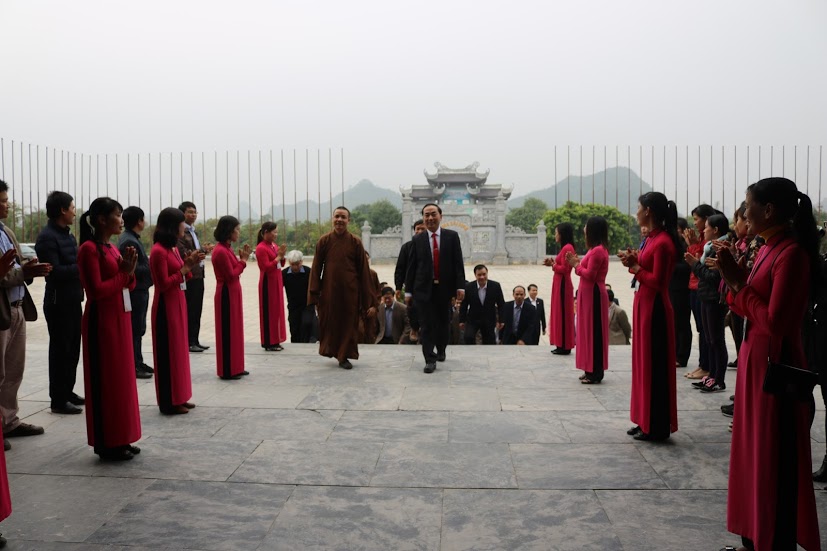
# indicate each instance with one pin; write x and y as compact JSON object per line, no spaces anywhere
{"x":622,"y":188}
{"x":364,"y":192}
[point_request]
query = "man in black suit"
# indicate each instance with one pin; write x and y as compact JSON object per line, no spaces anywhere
{"x":134,"y":224}
{"x":435,"y":274}
{"x":520,"y":319}
{"x":482,"y":308}
{"x":540,"y":307}
{"x":401,"y":272}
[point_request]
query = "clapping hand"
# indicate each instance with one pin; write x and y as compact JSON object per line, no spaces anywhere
{"x":627,"y":257}
{"x":548,"y":261}
{"x":208,"y":247}
{"x":690,"y":236}
{"x":33,"y":268}
{"x":7,"y":262}
{"x":128,"y":261}
{"x":282,"y":250}
{"x":690,"y":259}
{"x":244,"y":252}
{"x":572,"y":259}
{"x":193,"y":259}
{"x":734,"y":272}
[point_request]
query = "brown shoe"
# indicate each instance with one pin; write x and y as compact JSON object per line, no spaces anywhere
{"x":188,"y":405}
{"x":24,"y":429}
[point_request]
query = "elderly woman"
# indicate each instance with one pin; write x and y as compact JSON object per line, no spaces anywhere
{"x":300,"y":316}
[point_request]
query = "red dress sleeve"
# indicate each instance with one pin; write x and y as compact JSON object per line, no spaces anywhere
{"x":89,"y":266}
{"x":561,"y":265}
{"x":159,"y":266}
{"x":598,"y":259}
{"x":661,"y":268}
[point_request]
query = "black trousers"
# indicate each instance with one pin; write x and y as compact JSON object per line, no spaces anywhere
{"x":294,"y":319}
{"x":304,"y":327}
{"x":434,"y":323}
{"x":140,"y":305}
{"x":736,"y":325}
{"x":195,"y":302}
{"x":484,"y":327}
{"x":598,"y":369}
{"x":683,"y":325}
{"x":695,"y":305}
{"x":714,"y":331}
{"x":63,"y":322}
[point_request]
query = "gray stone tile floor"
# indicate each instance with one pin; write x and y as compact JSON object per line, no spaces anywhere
{"x":501,"y":448}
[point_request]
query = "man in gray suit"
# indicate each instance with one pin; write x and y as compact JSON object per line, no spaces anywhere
{"x":393,"y":319}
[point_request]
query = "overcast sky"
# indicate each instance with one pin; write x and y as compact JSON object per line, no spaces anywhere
{"x":401,"y":85}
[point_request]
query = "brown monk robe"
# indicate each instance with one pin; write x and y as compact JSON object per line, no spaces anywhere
{"x":342,"y":289}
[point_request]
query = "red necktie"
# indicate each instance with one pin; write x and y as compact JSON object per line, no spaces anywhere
{"x":436,"y":257}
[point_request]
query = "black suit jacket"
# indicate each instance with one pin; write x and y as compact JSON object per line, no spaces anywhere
{"x":540,"y":324}
{"x":402,"y":265}
{"x":528,"y":322}
{"x":474,"y":311}
{"x":420,"y":275}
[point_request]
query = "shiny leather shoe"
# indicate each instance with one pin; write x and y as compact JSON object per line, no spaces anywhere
{"x":141,"y":374}
{"x":116,"y":454}
{"x":430,"y":367}
{"x":231,"y":378}
{"x":134,"y":450}
{"x":195,"y":348}
{"x":821,"y":474}
{"x":561,"y":352}
{"x":633,"y":431}
{"x":77,"y":400}
{"x":67,"y":409}
{"x":245,"y":372}
{"x":202,"y":347}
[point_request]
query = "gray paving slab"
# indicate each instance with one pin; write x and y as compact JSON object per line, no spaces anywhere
{"x":310,"y":463}
{"x":194,"y":514}
{"x":687,"y":465}
{"x":427,"y":465}
{"x":450,"y":398}
{"x":279,"y":424}
{"x":392,"y":426}
{"x":368,"y":519}
{"x":490,"y":520}
{"x":542,"y":399}
{"x":41,"y":512}
{"x":507,"y":426}
{"x":363,"y":397}
{"x":582,"y":466}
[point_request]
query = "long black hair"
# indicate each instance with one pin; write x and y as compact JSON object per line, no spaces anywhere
{"x":267,"y":226}
{"x":720,"y":223}
{"x":90,"y":229}
{"x":566,"y":232}
{"x":166,"y":229}
{"x":665,"y":214}
{"x":794,"y":209}
{"x":597,"y":232}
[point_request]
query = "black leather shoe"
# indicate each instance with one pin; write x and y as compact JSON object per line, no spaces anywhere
{"x":633,"y":431}
{"x":146,"y":368}
{"x":440,"y":357}
{"x":77,"y":400}
{"x":821,"y":474}
{"x":561,"y":352}
{"x":24,"y":429}
{"x":117,"y":454}
{"x":3,"y":541}
{"x":195,"y":348}
{"x":202,"y":347}
{"x":648,"y":437}
{"x":141,"y":374}
{"x":134,"y":450}
{"x":430,"y":367}
{"x":6,"y":445}
{"x":231,"y":378}
{"x":271,"y":349}
{"x":245,"y":373}
{"x":346,"y":364}
{"x":66,"y":409}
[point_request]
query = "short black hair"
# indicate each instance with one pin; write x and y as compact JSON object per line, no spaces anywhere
{"x":187,"y":205}
{"x":480,"y":267}
{"x":683,"y":224}
{"x":419,"y":222}
{"x":530,"y":285}
{"x":426,"y":205}
{"x":611,"y":295}
{"x":704,"y":211}
{"x":225,"y":228}
{"x":3,"y":186}
{"x":344,"y":208}
{"x":517,"y":287}
{"x":131,"y":216}
{"x":166,"y":229}
{"x":56,"y":203}
{"x":386,"y":290}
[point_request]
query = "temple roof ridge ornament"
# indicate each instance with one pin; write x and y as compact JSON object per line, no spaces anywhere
{"x":466,"y":174}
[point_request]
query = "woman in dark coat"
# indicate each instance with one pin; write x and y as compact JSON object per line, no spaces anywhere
{"x":113,"y":421}
{"x":170,"y":344}
{"x":229,"y":312}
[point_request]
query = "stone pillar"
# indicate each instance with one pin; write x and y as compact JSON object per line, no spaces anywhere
{"x":407,"y":217}
{"x":366,"y":237}
{"x":541,"y":242}
{"x":500,"y":254}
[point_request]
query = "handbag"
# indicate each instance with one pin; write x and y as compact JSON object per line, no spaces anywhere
{"x":791,"y":382}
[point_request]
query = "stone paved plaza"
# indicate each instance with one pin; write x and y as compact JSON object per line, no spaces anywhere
{"x":500,"y":448}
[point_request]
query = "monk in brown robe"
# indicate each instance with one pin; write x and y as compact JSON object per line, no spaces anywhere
{"x":342,"y":289}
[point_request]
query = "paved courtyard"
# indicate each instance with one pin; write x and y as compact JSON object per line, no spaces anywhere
{"x":500,"y":448}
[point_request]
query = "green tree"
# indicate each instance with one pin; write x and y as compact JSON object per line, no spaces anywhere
{"x":623,"y":230}
{"x":527,"y":216}
{"x":381,"y":215}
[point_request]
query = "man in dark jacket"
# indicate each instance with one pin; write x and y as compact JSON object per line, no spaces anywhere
{"x":482,"y":308}
{"x":519,"y":317}
{"x":62,"y":301}
{"x":195,"y":286}
{"x":304,"y":326}
{"x":134,"y":224}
